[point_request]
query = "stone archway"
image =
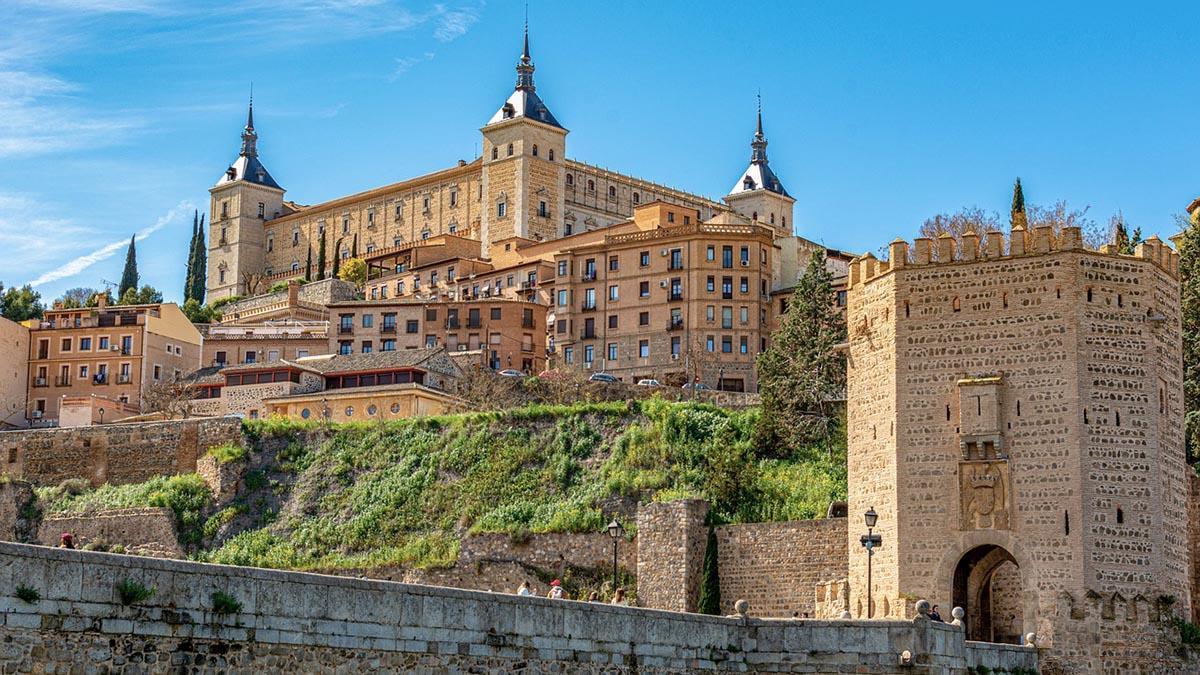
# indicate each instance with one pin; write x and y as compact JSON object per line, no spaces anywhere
{"x":987,"y":585}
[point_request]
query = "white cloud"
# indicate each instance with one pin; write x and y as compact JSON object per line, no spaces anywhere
{"x":81,"y":263}
{"x":403,"y":65}
{"x":453,"y":23}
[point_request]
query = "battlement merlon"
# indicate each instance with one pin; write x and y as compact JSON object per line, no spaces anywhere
{"x":946,"y":250}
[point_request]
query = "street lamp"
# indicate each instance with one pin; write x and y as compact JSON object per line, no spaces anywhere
{"x":870,"y":541}
{"x":614,"y":533}
{"x":101,"y":415}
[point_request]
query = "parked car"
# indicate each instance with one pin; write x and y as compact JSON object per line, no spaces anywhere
{"x":509,"y":372}
{"x":649,"y":383}
{"x":699,"y":386}
{"x":603,"y":377}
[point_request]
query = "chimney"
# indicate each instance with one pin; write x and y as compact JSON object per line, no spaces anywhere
{"x":101,"y":300}
{"x":293,"y":292}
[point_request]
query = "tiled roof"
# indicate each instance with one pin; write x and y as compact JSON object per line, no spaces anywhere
{"x":350,"y":363}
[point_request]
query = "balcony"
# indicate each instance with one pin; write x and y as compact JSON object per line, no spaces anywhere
{"x":526,"y":323}
{"x":39,"y":382}
{"x":726,"y":295}
{"x":588,"y":307}
{"x":675,"y":324}
{"x":345,"y":330}
{"x":588,"y":335}
{"x":62,"y":381}
{"x":589,"y":276}
{"x":390,"y":329}
{"x":100,"y":379}
{"x":675,"y":296}
{"x":675,"y":266}
{"x":452,"y":323}
{"x":126,"y":351}
{"x":474,"y":323}
{"x":123,"y":378}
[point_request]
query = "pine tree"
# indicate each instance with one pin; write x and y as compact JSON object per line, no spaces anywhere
{"x":189,"y":278}
{"x":308,"y":264}
{"x":129,"y":278}
{"x":321,"y":258}
{"x":710,"y":580}
{"x":1188,"y":242}
{"x":1019,"y":215}
{"x":200,"y":265}
{"x":801,"y":376}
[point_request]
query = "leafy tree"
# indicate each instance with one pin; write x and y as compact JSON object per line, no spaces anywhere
{"x":1189,"y":273}
{"x":321,"y":258}
{"x":94,"y":300}
{"x":710,"y":580}
{"x":308,"y":264}
{"x":129,"y":278}
{"x":802,"y":375}
{"x":354,"y":271}
{"x":197,"y":313}
{"x":21,"y":304}
{"x":77,"y":297}
{"x":1018,"y":214}
{"x":968,"y":219}
{"x":146,"y":295}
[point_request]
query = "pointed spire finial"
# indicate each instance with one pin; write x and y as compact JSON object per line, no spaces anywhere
{"x":250,"y":110}
{"x":525,"y":63}
{"x":758,"y":146}
{"x":759,"y":127}
{"x":525,"y":52}
{"x":249,"y":136}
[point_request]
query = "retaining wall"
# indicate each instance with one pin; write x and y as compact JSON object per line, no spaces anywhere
{"x":294,"y":622}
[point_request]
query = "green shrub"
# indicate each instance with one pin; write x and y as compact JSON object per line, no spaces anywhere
{"x":227,"y":453}
{"x":1189,"y":633}
{"x":224,"y":603}
{"x":132,"y":592}
{"x":28,"y":594}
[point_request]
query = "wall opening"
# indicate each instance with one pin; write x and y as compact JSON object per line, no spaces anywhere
{"x":987,"y":585}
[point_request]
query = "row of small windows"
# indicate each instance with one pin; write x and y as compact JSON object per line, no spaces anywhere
{"x":956,"y":303}
{"x":496,"y":152}
{"x":675,"y":262}
{"x":725,"y":343}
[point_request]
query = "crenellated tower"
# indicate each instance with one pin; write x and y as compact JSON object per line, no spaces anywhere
{"x":759,"y":194}
{"x":240,"y":203}
{"x":524,"y":170}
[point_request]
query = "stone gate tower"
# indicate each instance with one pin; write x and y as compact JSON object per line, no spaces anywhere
{"x":1015,"y":418}
{"x":243,"y":199}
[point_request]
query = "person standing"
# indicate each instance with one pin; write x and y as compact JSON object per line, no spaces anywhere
{"x":524,"y":589}
{"x":934,"y":615}
{"x":619,"y":598}
{"x":556,"y":591}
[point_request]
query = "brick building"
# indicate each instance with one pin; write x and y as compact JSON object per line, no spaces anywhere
{"x":112,"y":351}
{"x":1015,"y":418}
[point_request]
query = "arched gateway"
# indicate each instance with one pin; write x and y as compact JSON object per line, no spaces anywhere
{"x":987,"y":585}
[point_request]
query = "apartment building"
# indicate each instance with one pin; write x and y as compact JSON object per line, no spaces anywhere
{"x":112,"y":351}
{"x":668,"y":297}
{"x":507,"y":333}
{"x":230,"y":344}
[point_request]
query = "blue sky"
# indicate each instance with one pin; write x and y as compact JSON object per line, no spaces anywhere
{"x":117,"y":115}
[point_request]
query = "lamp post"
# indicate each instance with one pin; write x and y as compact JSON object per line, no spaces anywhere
{"x":614,"y":533}
{"x":870,"y":541}
{"x":101,"y":415}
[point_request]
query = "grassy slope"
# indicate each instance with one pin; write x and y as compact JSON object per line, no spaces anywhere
{"x":404,"y":492}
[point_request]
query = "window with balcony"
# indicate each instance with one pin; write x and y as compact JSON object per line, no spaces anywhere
{"x":589,"y":299}
{"x":389,"y":323}
{"x":589,"y":269}
{"x":345,"y":324}
{"x":126,"y":344}
{"x":676,"y":289}
{"x":676,"y":259}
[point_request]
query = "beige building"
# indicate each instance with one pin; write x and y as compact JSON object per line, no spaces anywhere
{"x":1015,"y":418}
{"x":231,"y":344}
{"x":364,"y":404}
{"x":112,"y":351}
{"x":14,"y":379}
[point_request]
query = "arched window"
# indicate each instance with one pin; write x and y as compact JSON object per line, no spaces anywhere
{"x":495,"y":153}
{"x":612,"y":191}
{"x":510,"y":149}
{"x":535,"y":149}
{"x":551,"y":154}
{"x":570,"y":177}
{"x":637,"y":198}
{"x":591,"y":187}
{"x":295,"y":266}
{"x":754,"y":215}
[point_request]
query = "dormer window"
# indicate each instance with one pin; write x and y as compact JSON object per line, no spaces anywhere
{"x":231,"y":173}
{"x":508,"y":111}
{"x":747,"y":183}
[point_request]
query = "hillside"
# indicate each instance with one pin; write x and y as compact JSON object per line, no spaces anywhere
{"x":405,"y":492}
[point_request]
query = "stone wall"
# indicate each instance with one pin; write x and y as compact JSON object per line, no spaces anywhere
{"x":777,"y":566}
{"x":550,"y":552}
{"x":15,"y":495}
{"x":116,"y":454}
{"x":670,"y":553}
{"x":1194,"y":537}
{"x":142,"y":531}
{"x":292,"y":622}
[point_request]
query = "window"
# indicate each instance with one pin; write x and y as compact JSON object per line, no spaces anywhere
{"x":709,"y":344}
{"x":103,"y":344}
{"x":745,"y":254}
{"x":591,"y":185}
{"x":495,"y":153}
{"x":675,"y":346}
{"x":345,"y":224}
{"x":726,"y":344}
{"x":612,"y":263}
{"x":66,"y":344}
{"x":612,"y":320}
{"x":710,"y":253}
{"x":251,"y":357}
{"x":710,"y":313}
{"x":644,"y":259}
{"x":126,"y":344}
{"x":157,"y":372}
{"x":727,"y":256}
{"x":637,"y":198}
{"x":644,"y":349}
{"x":726,"y":287}
{"x":543,"y":211}
{"x":612,"y":351}
{"x":676,"y":259}
{"x":85,"y":344}
{"x":589,"y":354}
{"x":510,"y":149}
{"x":745,"y":285}
{"x":410,"y":326}
{"x":501,"y":209}
{"x":535,"y":150}
{"x":726,"y":317}
{"x":569,"y":354}
{"x":711,"y":285}
{"x":644,"y":289}
{"x":367,"y":347}
{"x":744,"y":346}
{"x":368,"y":320}
{"x":589,"y":298}
{"x":453,"y":198}
{"x":225,"y":209}
{"x":589,"y":269}
{"x":613,"y":293}
{"x":644,"y":318}
{"x":560,"y":326}
{"x":570,"y":178}
{"x":271,"y":244}
{"x":676,"y":288}
{"x":551,"y":154}
{"x":612,"y":191}
{"x":744,"y":315}
{"x":562,"y":268}
{"x":83,"y":372}
{"x":562,"y":297}
{"x":670,"y":216}
{"x":495,"y":313}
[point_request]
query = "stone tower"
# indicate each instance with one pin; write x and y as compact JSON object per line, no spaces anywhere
{"x":1015,"y":419}
{"x":243,"y":199}
{"x":523,"y":164}
{"x":759,"y":194}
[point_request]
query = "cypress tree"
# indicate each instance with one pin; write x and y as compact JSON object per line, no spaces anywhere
{"x":200,"y":266}
{"x":308,"y":264}
{"x":189,"y":277}
{"x":129,"y":278}
{"x":337,"y":258}
{"x":1019,"y":216}
{"x":710,"y":579}
{"x":321,"y":258}
{"x":1188,"y":243}
{"x":354,"y":248}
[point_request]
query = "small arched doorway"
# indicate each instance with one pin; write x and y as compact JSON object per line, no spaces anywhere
{"x":987,"y":585}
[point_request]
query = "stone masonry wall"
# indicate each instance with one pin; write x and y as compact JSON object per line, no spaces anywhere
{"x":144,"y":531}
{"x":777,"y":566}
{"x":291,"y":622}
{"x":116,"y":453}
{"x":670,"y":553}
{"x":549,"y":551}
{"x":14,"y":496}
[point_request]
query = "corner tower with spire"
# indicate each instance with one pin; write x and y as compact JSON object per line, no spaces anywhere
{"x":524,"y":171}
{"x":759,"y":194}
{"x":243,"y":199}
